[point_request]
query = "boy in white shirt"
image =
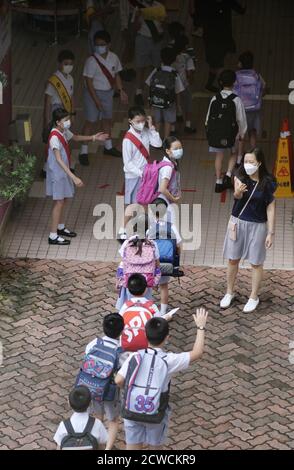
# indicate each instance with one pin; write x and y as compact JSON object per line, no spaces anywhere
{"x":79,"y":400}
{"x":139,"y":434}
{"x":136,"y":144}
{"x":101,"y":75}
{"x":168,"y":114}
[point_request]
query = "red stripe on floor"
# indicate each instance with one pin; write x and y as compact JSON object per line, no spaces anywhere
{"x":223,"y":196}
{"x":122,"y":192}
{"x":189,"y":190}
{"x":103,"y":186}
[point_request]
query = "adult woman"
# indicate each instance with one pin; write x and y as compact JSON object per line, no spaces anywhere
{"x":251,"y":227}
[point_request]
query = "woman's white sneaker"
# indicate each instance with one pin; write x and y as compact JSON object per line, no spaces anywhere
{"x":227,"y":300}
{"x":251,"y":305}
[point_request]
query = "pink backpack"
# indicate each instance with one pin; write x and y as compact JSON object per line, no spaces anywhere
{"x":248,"y":87}
{"x":144,"y":264}
{"x":148,"y":189}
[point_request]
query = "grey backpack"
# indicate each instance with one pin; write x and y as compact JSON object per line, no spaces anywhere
{"x":79,"y":440}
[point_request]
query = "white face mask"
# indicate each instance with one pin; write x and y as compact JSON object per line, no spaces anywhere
{"x":138,"y":126}
{"x":101,"y":49}
{"x":250,"y":168}
{"x":67,"y":69}
{"x":67,"y":124}
{"x":177,"y":154}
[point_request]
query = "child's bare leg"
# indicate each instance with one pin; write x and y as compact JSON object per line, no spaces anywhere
{"x":164,"y":298}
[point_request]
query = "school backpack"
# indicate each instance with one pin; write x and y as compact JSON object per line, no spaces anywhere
{"x":167,"y":247}
{"x":79,"y":440}
{"x":135,"y":318}
{"x":162,"y":88}
{"x":133,"y":263}
{"x":97,"y":370}
{"x":222,"y":127}
{"x":248,"y":87}
{"x":147,"y":376}
{"x":148,"y":189}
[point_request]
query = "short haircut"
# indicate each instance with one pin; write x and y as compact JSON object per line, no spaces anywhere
{"x":104,"y":35}
{"x":157,"y":330}
{"x":168,"y":55}
{"x":136,"y":111}
{"x":59,"y":114}
{"x":175,"y":29}
{"x":113,"y":325}
{"x":227,"y":78}
{"x":158,"y":207}
{"x":65,"y":55}
{"x":137,"y":284}
{"x":181,"y":43}
{"x":246,"y":60}
{"x":80,"y":399}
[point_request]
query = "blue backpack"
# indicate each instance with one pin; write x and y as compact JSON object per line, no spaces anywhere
{"x":97,"y":371}
{"x":167,"y":247}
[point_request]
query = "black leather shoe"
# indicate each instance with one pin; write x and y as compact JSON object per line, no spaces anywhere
{"x":66,"y":233}
{"x":190,"y":130}
{"x":139,"y":100}
{"x":227,"y":182}
{"x":218,"y":188}
{"x":84,"y":159}
{"x":113,"y":152}
{"x":58,"y":241}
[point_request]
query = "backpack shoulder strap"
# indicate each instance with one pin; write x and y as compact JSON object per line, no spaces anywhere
{"x":69,"y":428}
{"x":140,"y":146}
{"x":89,"y":425}
{"x":232,"y":96}
{"x":149,"y":306}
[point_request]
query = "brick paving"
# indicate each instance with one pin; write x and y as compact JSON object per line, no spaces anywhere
{"x":239,"y":396}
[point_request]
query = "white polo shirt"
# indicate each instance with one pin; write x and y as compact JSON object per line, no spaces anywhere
{"x":179,"y":87}
{"x":93,"y":70}
{"x":183,"y":64}
{"x":67,"y":81}
{"x":79,"y":422}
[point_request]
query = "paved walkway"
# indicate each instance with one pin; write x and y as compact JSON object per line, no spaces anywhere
{"x":238,"y":396}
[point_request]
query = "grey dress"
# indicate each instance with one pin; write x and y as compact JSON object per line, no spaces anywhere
{"x":58,"y":184}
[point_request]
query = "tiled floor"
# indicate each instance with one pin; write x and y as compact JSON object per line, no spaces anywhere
{"x":27,"y":233}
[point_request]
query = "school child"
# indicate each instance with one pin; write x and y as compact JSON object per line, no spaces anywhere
{"x":168,"y":241}
{"x":96,"y":13}
{"x":59,"y":92}
{"x":136,"y":154}
{"x":250,"y":87}
{"x":185,"y":67}
{"x":145,"y":377}
{"x":165,"y":86}
{"x":105,"y":352}
{"x":60,"y":180}
{"x":81,"y":431}
{"x":225,"y":125}
{"x":101,"y":75}
{"x":147,"y":20}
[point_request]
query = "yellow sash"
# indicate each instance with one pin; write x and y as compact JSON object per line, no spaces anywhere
{"x":62,"y":92}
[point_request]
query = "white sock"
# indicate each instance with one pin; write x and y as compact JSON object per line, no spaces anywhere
{"x":139,"y":91}
{"x":229,"y":173}
{"x":239,"y":159}
{"x":53,"y":235}
{"x":61,"y":226}
{"x":163,"y":309}
{"x":219,"y":181}
{"x":108,"y":144}
{"x":188,"y":123}
{"x":84,"y":149}
{"x":172,"y":128}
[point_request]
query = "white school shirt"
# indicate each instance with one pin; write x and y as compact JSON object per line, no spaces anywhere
{"x":240,"y":112}
{"x":144,"y":30}
{"x":166,"y":173}
{"x":79,"y":422}
{"x":67,"y":81}
{"x":94,"y":71}
{"x":140,"y":300}
{"x":54,"y":143}
{"x":134,"y":161}
{"x":183,"y":64}
{"x":162,"y":223}
{"x":179,"y":87}
{"x":175,"y":363}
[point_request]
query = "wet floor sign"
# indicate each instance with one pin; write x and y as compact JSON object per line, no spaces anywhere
{"x":283,"y":167}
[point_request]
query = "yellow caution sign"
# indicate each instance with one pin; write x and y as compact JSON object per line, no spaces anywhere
{"x":282,"y":170}
{"x":157,"y":13}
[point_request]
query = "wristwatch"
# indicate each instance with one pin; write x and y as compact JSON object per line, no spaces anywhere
{"x":202,"y":328}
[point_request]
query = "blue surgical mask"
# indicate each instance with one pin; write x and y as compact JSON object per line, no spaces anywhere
{"x":101,"y":49}
{"x":177,"y":154}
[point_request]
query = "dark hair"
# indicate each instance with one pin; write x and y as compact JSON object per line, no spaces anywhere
{"x":104,"y":35}
{"x":167,"y":143}
{"x":157,"y":330}
{"x":227,"y":78}
{"x":137,"y":284}
{"x":246,"y":59}
{"x":158,"y":202}
{"x":136,"y":111}
{"x":175,"y":29}
{"x":168,"y":55}
{"x":58,"y":114}
{"x":181,"y":44}
{"x":266,"y":179}
{"x":80,"y":399}
{"x":113,"y":325}
{"x":65,"y":55}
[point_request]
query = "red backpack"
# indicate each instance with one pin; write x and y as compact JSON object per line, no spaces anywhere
{"x":135,"y":318}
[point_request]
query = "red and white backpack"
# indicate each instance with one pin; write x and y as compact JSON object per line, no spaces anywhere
{"x":135,"y":318}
